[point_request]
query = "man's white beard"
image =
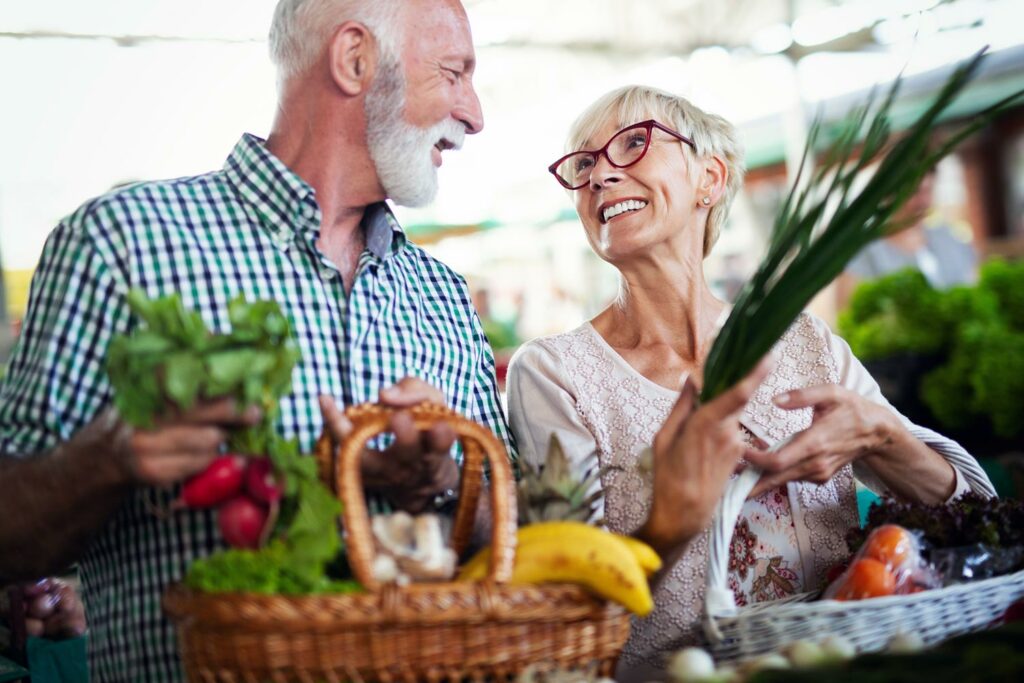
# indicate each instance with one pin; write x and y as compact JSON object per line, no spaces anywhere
{"x":401,"y":152}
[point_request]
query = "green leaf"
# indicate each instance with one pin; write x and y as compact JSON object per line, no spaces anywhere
{"x":183,"y":373}
{"x":822,"y":226}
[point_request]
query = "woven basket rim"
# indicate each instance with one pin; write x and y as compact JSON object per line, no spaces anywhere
{"x":482,"y":602}
{"x":804,"y":604}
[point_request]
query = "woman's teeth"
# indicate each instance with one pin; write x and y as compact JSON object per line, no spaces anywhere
{"x":622,"y":207}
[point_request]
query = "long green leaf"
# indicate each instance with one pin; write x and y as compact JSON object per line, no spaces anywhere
{"x":802,"y":258}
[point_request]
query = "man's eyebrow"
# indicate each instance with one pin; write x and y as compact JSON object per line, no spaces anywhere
{"x":468,"y":63}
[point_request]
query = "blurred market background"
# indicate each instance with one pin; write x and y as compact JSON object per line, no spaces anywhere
{"x":104,"y":92}
{"x":99,"y":93}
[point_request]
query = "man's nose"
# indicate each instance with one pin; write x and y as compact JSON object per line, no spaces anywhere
{"x":469,"y":112}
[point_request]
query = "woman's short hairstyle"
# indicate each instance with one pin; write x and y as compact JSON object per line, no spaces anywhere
{"x":301,"y":28}
{"x":712,"y":136}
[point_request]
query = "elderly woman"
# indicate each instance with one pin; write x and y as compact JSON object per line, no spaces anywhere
{"x":652,"y":177}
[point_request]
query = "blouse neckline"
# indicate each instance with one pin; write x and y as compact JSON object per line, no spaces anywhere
{"x":624,"y":364}
{"x":665,"y":392}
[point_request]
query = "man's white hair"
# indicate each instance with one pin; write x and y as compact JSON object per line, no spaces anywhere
{"x":301,"y":29}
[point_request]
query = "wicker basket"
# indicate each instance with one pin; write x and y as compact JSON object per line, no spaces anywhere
{"x":935,"y":615}
{"x":430,"y":631}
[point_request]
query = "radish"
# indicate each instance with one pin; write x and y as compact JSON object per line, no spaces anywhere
{"x":260,"y":482}
{"x":242,"y":521}
{"x":217,"y":483}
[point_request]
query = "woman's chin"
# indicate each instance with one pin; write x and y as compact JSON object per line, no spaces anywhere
{"x":616,"y":245}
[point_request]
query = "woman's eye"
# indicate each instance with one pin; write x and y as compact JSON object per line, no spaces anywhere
{"x":638,"y":140}
{"x":583,"y":164}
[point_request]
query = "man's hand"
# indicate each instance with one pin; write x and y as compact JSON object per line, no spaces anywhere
{"x":181,"y":445}
{"x":52,"y":610}
{"x":417,"y":466}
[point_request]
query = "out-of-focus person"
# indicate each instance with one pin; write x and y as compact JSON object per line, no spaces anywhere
{"x":944,"y":259}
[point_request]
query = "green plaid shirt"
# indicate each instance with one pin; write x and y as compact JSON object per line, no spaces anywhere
{"x":251,"y":227}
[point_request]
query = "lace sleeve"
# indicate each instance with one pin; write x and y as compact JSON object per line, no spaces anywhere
{"x":542,"y":402}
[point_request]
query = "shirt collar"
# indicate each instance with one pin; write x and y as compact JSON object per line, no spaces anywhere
{"x":384,"y":236}
{"x":284,"y":201}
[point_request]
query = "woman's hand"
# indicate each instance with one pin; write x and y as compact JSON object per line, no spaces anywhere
{"x":845,"y":427}
{"x":695,"y":453}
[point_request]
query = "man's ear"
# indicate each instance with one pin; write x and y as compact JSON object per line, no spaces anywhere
{"x":713,"y":179}
{"x":352,"y":54}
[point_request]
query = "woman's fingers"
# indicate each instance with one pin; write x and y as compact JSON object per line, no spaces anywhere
{"x":735,"y":399}
{"x":808,"y":397}
{"x":679,"y":413}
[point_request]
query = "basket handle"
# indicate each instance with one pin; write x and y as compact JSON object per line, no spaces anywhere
{"x":717,"y":596}
{"x":369,"y":420}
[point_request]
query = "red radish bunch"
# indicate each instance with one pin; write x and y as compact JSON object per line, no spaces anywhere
{"x":245,"y":492}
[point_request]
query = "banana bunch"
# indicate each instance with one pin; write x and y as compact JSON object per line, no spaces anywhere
{"x":612,"y":566}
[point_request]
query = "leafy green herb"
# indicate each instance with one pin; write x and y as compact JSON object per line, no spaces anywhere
{"x":173,"y":360}
{"x":976,"y":333}
{"x":805,"y":252}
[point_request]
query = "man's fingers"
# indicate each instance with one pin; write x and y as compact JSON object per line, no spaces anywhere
{"x":735,"y":399}
{"x":223,"y":411}
{"x":410,"y":391}
{"x":439,"y":438}
{"x":35,"y":627}
{"x":181,"y":439}
{"x":406,"y":437}
{"x":807,"y":397}
{"x":337,"y":425}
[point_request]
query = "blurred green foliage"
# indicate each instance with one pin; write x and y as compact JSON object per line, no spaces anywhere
{"x":978,"y":332}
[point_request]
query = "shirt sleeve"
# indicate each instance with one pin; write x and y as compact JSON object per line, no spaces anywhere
{"x":485,"y":400}
{"x":853,"y":375}
{"x":56,"y":382}
{"x":542,"y":403}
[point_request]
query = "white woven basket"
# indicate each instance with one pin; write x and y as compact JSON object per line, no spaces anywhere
{"x":740,"y":633}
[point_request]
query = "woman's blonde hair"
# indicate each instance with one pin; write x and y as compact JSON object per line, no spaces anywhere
{"x":712,"y":136}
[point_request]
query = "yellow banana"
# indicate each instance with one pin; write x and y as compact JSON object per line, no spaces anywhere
{"x":574,"y":552}
{"x":649,"y":560}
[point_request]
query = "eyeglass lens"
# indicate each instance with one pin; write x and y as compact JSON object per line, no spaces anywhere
{"x":626,"y":148}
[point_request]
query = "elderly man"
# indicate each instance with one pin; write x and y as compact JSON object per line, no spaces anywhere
{"x":372,"y":93}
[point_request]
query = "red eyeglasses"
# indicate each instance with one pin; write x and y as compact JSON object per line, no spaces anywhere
{"x":625,"y":148}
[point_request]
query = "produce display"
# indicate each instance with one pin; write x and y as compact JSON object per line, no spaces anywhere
{"x":888,"y":563}
{"x":993,"y":655}
{"x":974,"y":333}
{"x":982,"y":657}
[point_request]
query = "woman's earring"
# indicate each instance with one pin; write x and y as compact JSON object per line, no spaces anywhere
{"x":706,"y":201}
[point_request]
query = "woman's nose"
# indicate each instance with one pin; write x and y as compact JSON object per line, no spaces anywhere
{"x":603,"y":173}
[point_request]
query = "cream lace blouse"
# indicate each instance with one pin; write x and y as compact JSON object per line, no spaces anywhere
{"x":576,"y":386}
